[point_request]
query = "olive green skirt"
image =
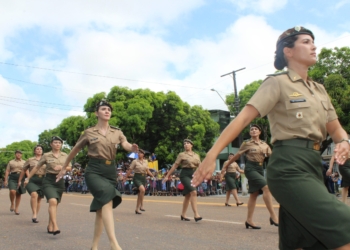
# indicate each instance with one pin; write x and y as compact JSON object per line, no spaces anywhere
{"x":35,"y":185}
{"x":51,"y":188}
{"x":185,"y":178}
{"x":139,"y":179}
{"x":13,"y":182}
{"x":345,"y":174}
{"x":255,"y":175}
{"x":101,"y":180}
{"x":309,"y":217}
{"x":230,"y":179}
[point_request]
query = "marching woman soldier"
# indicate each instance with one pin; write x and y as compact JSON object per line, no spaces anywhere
{"x":345,"y":174}
{"x":140,"y":168}
{"x":13,"y":170}
{"x":34,"y":187}
{"x":230,"y":172}
{"x":52,"y":190}
{"x":300,"y":114}
{"x":189,"y":161}
{"x":102,"y":141}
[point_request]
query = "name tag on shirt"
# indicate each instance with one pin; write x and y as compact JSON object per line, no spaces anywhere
{"x":297,"y":100}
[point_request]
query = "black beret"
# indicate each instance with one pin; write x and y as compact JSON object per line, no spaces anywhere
{"x":56,"y":138}
{"x":189,"y":141}
{"x":141,"y":151}
{"x":256,"y":125}
{"x":18,"y":151}
{"x":297,"y":30}
{"x":103,"y":102}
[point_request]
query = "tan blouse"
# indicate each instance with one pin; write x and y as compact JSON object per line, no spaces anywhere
{"x":188,"y":160}
{"x":232,"y":168}
{"x":15,"y":166}
{"x":255,"y":151}
{"x":51,"y":162}
{"x":100,"y":146}
{"x":139,"y":167}
{"x":31,"y":163}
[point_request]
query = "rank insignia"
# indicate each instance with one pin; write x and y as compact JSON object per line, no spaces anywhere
{"x":295,"y":94}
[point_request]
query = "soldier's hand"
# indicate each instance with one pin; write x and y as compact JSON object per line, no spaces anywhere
{"x":26,"y":180}
{"x":134,"y":147}
{"x":5,"y":183}
{"x":329,"y":172}
{"x":204,"y":171}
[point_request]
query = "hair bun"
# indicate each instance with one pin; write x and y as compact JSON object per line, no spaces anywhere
{"x":279,"y":63}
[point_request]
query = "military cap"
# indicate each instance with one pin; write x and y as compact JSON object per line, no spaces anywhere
{"x":103,"y":102}
{"x":18,"y":151}
{"x":297,"y":30}
{"x":38,"y":146}
{"x":231,"y":154}
{"x":256,"y":125}
{"x":141,"y":151}
{"x":189,"y":141}
{"x":56,"y":138}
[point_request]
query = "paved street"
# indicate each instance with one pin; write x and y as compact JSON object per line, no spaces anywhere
{"x":159,"y":227}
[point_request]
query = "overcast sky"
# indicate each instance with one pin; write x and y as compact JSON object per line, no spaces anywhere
{"x":56,"y":54}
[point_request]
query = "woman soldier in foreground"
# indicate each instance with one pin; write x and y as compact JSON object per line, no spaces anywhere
{"x":256,"y":151}
{"x":34,"y":187}
{"x":102,"y":141}
{"x":300,"y":114}
{"x":52,"y":190}
{"x":141,"y":170}
{"x":189,"y":161}
{"x":229,"y":170}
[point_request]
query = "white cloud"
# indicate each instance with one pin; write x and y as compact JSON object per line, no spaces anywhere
{"x":260,"y":6}
{"x":341,"y":4}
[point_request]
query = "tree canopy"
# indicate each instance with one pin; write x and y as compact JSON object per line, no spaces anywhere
{"x":158,"y":122}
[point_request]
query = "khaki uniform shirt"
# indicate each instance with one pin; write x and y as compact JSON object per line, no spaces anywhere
{"x":232,"y":168}
{"x":100,"y":146}
{"x":294,"y":109}
{"x":139,"y":167}
{"x":255,"y":151}
{"x":188,"y":161}
{"x":31,"y":163}
{"x":15,"y":166}
{"x":51,"y":161}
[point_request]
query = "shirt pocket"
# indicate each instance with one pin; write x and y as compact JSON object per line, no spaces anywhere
{"x":298,"y":113}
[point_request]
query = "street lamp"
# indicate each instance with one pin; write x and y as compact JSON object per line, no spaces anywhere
{"x":221,"y":98}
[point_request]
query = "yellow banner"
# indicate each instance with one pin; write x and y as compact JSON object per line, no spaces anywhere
{"x":153,"y":164}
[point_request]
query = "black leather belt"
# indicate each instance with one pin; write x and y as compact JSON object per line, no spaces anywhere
{"x":302,"y":143}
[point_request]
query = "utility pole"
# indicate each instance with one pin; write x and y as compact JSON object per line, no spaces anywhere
{"x":236,"y":105}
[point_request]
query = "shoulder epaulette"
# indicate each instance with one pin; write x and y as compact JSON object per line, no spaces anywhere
{"x":114,"y":127}
{"x":278,"y":73}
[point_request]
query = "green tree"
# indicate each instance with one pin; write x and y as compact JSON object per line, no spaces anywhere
{"x":8,"y":153}
{"x":244,"y":96}
{"x":333,"y":71}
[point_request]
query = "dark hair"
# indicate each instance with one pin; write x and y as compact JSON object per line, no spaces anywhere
{"x":38,"y":146}
{"x":280,"y":61}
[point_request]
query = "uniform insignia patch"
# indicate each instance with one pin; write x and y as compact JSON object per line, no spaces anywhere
{"x":295,"y":94}
{"x":93,"y":139}
{"x":299,"y":115}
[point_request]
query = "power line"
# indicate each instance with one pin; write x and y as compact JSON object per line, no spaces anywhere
{"x":36,"y":111}
{"x":95,"y":75}
{"x":26,"y":100}
{"x":42,"y":106}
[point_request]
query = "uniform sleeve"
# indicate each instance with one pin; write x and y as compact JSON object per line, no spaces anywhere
{"x":178,"y":159}
{"x":132,"y":165}
{"x":266,"y":97}
{"x":42,"y":161}
{"x":122,"y":137}
{"x":82,"y":141}
{"x":244,"y":148}
{"x":26,"y":165}
{"x":331,"y":114}
{"x":8,"y":167}
{"x":269,"y":151}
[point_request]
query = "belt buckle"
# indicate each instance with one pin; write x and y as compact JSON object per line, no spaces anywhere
{"x":143,"y":174}
{"x":260,"y":163}
{"x":316,"y":146}
{"x":108,"y":162}
{"x":40,"y":175}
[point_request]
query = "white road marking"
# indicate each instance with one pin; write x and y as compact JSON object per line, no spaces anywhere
{"x":76,"y":204}
{"x":219,"y":221}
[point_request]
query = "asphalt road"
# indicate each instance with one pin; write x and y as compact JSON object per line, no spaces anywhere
{"x":159,"y":227}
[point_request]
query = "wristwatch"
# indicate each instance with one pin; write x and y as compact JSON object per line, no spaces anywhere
{"x":344,"y":139}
